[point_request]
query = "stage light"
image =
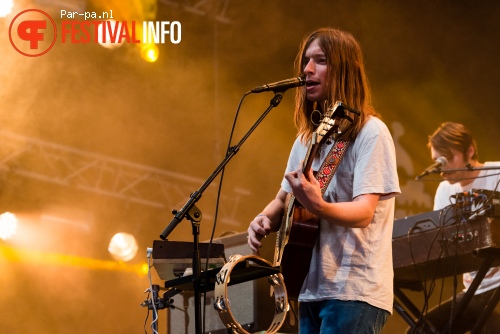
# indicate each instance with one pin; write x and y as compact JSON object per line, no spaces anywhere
{"x":123,"y":247}
{"x":8,"y":225}
{"x":150,"y":52}
{"x":6,"y":7}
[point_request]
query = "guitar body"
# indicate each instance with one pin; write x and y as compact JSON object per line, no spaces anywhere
{"x":300,"y":231}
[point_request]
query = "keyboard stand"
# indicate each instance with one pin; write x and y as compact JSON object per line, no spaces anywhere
{"x":403,"y":305}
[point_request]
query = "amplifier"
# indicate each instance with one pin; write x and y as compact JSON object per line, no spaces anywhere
{"x":172,"y":258}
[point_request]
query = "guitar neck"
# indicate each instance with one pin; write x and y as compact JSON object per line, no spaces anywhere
{"x":311,"y":153}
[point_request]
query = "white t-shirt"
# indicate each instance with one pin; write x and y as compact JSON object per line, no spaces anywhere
{"x":355,"y":263}
{"x":487,"y":180}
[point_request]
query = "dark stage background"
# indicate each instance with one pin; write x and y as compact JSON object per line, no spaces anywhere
{"x":428,"y":62}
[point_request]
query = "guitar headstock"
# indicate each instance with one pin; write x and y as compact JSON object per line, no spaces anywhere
{"x":331,"y":122}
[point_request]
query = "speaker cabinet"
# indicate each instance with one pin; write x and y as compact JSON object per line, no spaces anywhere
{"x":251,"y":302}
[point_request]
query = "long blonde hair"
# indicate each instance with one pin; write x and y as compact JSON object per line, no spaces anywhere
{"x":346,"y":80}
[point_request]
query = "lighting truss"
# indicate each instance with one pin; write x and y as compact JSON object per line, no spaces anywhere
{"x":214,"y":8}
{"x":65,"y":166}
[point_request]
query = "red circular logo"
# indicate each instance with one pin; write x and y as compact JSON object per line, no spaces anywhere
{"x":32,"y":35}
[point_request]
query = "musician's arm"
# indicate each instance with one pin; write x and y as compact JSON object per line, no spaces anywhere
{"x":267,"y":221}
{"x":358,"y":213}
{"x":274,"y":210}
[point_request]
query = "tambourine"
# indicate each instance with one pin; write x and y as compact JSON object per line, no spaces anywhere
{"x":223,"y":306}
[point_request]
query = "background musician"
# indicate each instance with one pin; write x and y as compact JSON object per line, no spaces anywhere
{"x":349,"y":286}
{"x":456,"y":143}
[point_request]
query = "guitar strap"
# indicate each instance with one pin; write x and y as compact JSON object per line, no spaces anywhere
{"x":331,"y":163}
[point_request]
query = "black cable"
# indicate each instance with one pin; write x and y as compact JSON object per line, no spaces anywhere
{"x":427,"y":291}
{"x":217,"y":201}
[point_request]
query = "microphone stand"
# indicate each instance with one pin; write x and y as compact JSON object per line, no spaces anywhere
{"x":468,"y":168}
{"x":190,"y":211}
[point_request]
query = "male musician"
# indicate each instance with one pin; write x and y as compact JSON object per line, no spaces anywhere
{"x":456,"y":143}
{"x":349,"y":286}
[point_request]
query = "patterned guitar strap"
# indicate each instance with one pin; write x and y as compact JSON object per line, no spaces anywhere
{"x":331,"y":163}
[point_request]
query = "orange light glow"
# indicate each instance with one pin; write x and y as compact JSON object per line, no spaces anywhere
{"x":44,"y":258}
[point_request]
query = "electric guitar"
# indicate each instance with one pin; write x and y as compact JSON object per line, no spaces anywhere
{"x":299,"y":227}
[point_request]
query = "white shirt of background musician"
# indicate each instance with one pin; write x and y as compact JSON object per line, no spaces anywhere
{"x":487,"y":180}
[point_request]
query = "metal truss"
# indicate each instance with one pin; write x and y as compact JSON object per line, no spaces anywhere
{"x":66,"y":166}
{"x":214,"y":8}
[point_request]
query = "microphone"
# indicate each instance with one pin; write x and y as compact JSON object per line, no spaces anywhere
{"x":280,"y":86}
{"x":434,"y":168}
